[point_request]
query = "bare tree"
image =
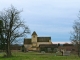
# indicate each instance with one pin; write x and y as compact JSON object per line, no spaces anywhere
{"x":13,"y":26}
{"x":75,"y":36}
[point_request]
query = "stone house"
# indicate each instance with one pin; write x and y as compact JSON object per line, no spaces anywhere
{"x":33,"y":43}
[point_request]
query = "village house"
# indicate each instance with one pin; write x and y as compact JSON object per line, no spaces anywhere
{"x":68,"y":47}
{"x":34,"y":42}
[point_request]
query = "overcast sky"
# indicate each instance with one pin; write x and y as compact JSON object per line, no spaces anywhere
{"x":53,"y":18}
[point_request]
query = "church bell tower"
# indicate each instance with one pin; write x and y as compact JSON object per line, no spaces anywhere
{"x":34,"y":40}
{"x":34,"y":37}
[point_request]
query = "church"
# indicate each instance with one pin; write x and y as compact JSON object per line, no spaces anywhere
{"x":33,"y":43}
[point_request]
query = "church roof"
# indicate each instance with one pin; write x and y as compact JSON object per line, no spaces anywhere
{"x":27,"y":41}
{"x":34,"y":33}
{"x":43,"y":39}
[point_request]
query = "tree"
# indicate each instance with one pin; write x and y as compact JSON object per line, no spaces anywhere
{"x":13,"y":27}
{"x":2,"y":40}
{"x":75,"y":36}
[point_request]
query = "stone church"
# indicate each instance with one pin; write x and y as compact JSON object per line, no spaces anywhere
{"x":33,"y":43}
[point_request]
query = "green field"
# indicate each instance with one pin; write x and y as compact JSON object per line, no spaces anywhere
{"x":37,"y":56}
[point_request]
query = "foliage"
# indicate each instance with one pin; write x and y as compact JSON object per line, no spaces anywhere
{"x":48,"y":50}
{"x":43,"y":49}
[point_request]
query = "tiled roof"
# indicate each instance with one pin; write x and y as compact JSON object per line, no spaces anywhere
{"x":27,"y":41}
{"x":43,"y":39}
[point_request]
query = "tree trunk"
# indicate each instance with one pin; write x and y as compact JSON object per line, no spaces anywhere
{"x":8,"y":50}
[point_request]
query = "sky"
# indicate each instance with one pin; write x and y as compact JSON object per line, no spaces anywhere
{"x":53,"y":18}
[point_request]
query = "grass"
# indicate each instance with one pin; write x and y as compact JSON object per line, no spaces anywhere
{"x":37,"y":56}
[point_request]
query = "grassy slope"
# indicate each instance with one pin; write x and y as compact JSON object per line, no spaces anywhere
{"x":37,"y":56}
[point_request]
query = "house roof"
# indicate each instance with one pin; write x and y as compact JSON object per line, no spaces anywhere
{"x":27,"y":41}
{"x":68,"y":48}
{"x":68,"y":45}
{"x":34,"y":33}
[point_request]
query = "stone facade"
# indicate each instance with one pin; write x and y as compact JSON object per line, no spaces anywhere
{"x":34,"y":42}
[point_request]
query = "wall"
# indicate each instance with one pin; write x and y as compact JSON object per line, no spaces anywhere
{"x":28,"y":46}
{"x":38,"y":43}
